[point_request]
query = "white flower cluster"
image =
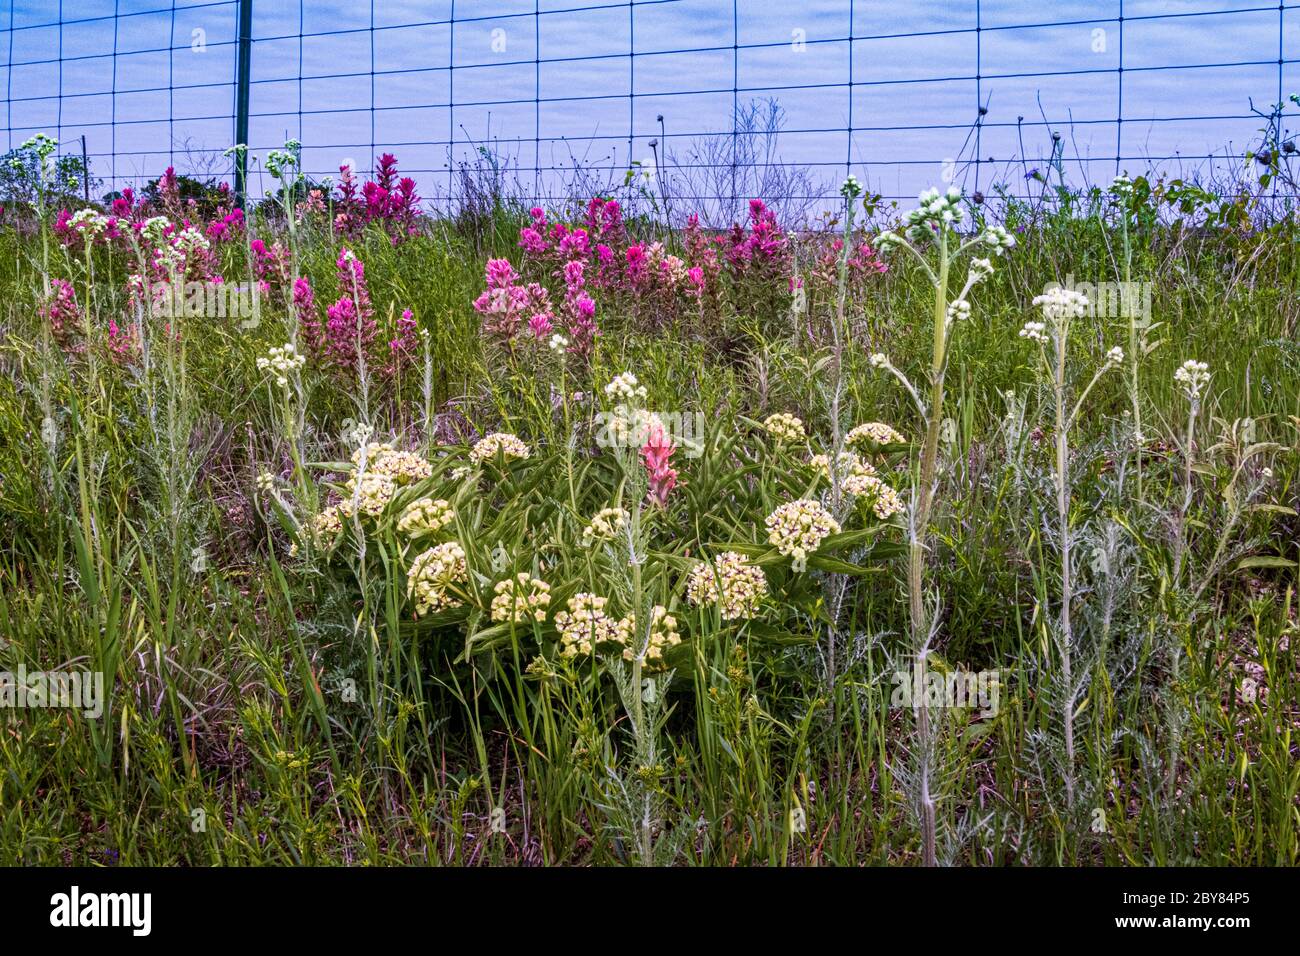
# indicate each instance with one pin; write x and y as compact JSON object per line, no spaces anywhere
{"x":487,"y":447}
{"x":1121,"y":185}
{"x":1193,"y":376}
{"x":847,"y":464}
{"x":370,"y":452}
{"x":625,"y":387}
{"x":885,"y":501}
{"x":936,"y":210}
{"x":730,"y":582}
{"x":797,"y":528}
{"x":521,"y":599}
{"x":1059,"y":304}
{"x":282,"y":361}
{"x":89,"y":222}
{"x":379,"y":470}
{"x":1115,"y":356}
{"x":403,"y":467}
{"x":981,"y":269}
{"x":628,"y":425}
{"x":879,"y":360}
{"x":432,"y":575}
{"x":174,"y":256}
{"x":873,"y":433}
{"x":887,"y":241}
{"x":425,"y":516}
{"x":784,"y":427}
{"x":1035,"y":332}
{"x":851,"y":188}
{"x":154,"y":228}
{"x":607,"y":524}
{"x":558,"y":343}
{"x":585,"y":625}
{"x":998,"y":239}
{"x":958,"y":310}
{"x":265,"y":482}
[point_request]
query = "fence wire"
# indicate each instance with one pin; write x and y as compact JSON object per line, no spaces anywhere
{"x":724,"y":96}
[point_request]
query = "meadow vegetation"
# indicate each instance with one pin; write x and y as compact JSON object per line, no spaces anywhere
{"x":957,"y":533}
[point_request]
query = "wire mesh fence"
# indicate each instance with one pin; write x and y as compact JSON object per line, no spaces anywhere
{"x":731,"y":96}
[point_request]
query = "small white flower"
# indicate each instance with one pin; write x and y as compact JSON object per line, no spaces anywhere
{"x":958,"y":310}
{"x":887,"y":241}
{"x":265,"y":482}
{"x":1035,"y":332}
{"x":934,"y":210}
{"x":851,"y":188}
{"x":625,"y":386}
{"x":1193,"y":376}
{"x":558,"y":343}
{"x":1115,"y":356}
{"x":879,"y":360}
{"x":1059,"y":304}
{"x":998,"y":239}
{"x":281,"y":361}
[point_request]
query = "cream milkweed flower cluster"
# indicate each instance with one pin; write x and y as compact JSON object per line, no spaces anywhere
{"x":663,"y":635}
{"x":731,"y":583}
{"x":370,"y":492}
{"x":607,"y":524}
{"x":282,"y":361}
{"x":432,"y":575}
{"x":1193,"y":376}
{"x":520,"y":599}
{"x":585,"y":625}
{"x":847,"y":464}
{"x":487,"y":448}
{"x":785,"y":427}
{"x":327,"y":523}
{"x":425,"y":516}
{"x":403,"y":467}
{"x":885,"y":501}
{"x":870,"y":434}
{"x":798,"y":528}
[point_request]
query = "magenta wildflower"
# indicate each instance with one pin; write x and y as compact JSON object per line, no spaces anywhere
{"x":402,"y":349}
{"x":656,"y":454}
{"x":61,"y":309}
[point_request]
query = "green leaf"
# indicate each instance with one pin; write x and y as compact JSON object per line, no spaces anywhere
{"x":1265,"y":561}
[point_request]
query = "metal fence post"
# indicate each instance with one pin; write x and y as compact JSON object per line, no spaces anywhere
{"x":243,"y":69}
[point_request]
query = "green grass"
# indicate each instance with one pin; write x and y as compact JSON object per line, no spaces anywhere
{"x":273,"y":707}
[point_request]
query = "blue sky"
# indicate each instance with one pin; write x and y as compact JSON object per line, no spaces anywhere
{"x":551,"y":79}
